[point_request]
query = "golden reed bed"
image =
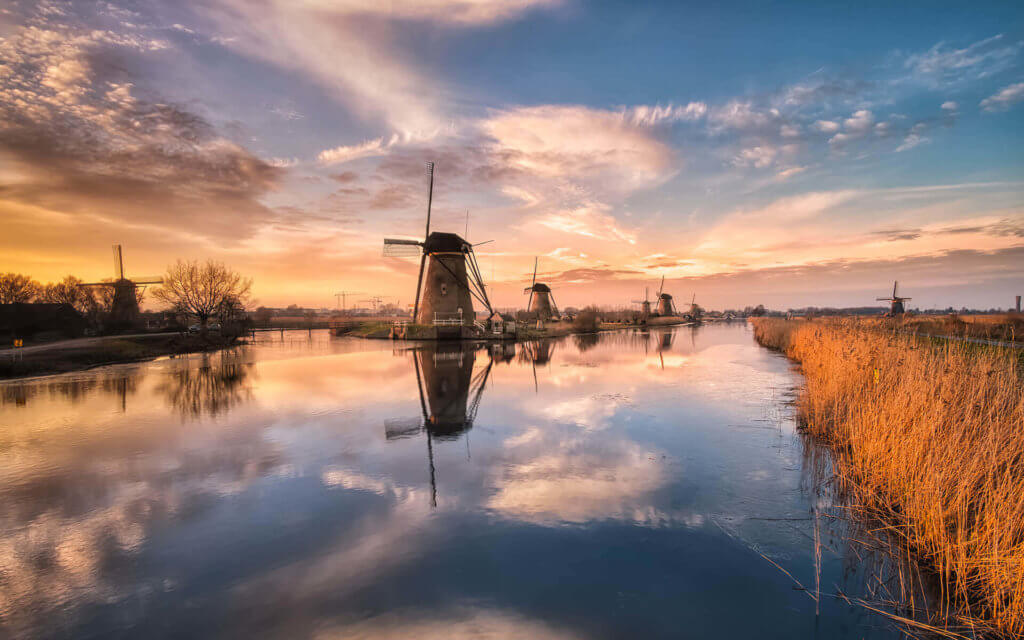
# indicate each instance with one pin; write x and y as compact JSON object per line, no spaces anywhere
{"x":929,"y":439}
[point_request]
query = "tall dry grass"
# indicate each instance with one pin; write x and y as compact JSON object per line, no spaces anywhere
{"x":928,"y":439}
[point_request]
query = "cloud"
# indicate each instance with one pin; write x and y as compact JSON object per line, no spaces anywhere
{"x":646,"y":116}
{"x":740,"y":115}
{"x":373,"y":148}
{"x":555,"y":141}
{"x":1004,"y":98}
{"x":914,"y":138}
{"x":860,"y":122}
{"x":590,"y":220}
{"x":949,"y":105}
{"x":353,"y":49}
{"x":785,"y":174}
{"x":826,"y":126}
{"x":80,"y":138}
{"x":759,"y":157}
{"x":943,"y":65}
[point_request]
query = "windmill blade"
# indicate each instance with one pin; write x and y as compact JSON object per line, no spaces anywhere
{"x":118,"y":263}
{"x":533,"y":282}
{"x":484,"y":242}
{"x":430,"y":198}
{"x":895,"y":283}
{"x":400,"y":247}
{"x":419,"y":285}
{"x":661,"y":286}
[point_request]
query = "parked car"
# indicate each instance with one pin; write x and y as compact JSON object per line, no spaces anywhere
{"x":213,"y":327}
{"x":193,"y":329}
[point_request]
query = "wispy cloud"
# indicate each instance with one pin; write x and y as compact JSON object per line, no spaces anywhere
{"x":943,"y":64}
{"x":1004,"y":98}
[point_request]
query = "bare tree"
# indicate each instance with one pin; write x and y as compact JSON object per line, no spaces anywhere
{"x":202,"y":290}
{"x":69,"y":291}
{"x":15,"y":287}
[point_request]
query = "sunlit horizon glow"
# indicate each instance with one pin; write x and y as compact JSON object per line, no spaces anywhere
{"x":778,"y":155}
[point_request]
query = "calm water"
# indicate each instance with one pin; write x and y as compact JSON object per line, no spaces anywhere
{"x":618,"y":486}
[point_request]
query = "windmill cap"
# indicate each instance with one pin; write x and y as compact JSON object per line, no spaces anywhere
{"x":665,"y":296}
{"x":540,"y":287}
{"x":439,"y":242}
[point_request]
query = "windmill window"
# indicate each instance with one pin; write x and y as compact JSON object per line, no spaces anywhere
{"x":444,"y":288}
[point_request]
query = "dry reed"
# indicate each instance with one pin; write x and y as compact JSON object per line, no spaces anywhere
{"x":930,"y":440}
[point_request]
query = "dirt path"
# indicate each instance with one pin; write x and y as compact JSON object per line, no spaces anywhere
{"x":77,"y":343}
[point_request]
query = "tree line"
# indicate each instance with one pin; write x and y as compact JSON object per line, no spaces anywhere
{"x":203,"y":290}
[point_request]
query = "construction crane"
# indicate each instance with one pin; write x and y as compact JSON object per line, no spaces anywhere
{"x":341,"y":297}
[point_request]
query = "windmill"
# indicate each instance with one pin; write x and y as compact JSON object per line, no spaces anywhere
{"x":666,"y":307}
{"x":449,"y":392}
{"x":125,"y":293}
{"x":645,"y":305}
{"x":452,"y":278}
{"x":895,"y":300}
{"x":541,"y":300}
{"x":695,"y":311}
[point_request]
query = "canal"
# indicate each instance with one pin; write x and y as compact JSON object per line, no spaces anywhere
{"x":630,"y":484}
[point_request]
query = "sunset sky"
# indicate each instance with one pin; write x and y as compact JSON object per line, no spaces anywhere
{"x":778,"y":153}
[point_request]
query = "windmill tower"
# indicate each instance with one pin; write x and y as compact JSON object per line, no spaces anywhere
{"x":645,"y":305}
{"x":124,"y":300}
{"x":541,"y":301}
{"x":895,"y":300}
{"x":452,"y":279}
{"x":666,"y":307}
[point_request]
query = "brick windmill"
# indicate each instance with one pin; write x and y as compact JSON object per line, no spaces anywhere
{"x":541,"y":300}
{"x":895,"y":300}
{"x":666,"y":306}
{"x":452,"y":279}
{"x":124,"y":293}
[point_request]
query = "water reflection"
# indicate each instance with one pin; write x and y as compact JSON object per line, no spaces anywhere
{"x":615,"y":486}
{"x":213,"y":385}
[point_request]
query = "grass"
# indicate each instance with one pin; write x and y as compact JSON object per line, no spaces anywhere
{"x":929,"y":439}
{"x":1002,"y":327}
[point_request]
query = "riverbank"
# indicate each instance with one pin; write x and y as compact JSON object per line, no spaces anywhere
{"x":85,"y":353}
{"x":928,"y":439}
{"x":382,"y":330}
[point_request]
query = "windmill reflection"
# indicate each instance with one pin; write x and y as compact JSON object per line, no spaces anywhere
{"x":449,"y":392}
{"x":665,"y":344}
{"x":218,"y":384}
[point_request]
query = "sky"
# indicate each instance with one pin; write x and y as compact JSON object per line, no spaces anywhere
{"x":785,"y":154}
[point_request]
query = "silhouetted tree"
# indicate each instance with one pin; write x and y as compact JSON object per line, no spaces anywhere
{"x":69,"y":291}
{"x":15,"y":287}
{"x":202,"y":290}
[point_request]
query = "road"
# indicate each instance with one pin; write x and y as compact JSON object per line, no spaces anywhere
{"x":79,"y":342}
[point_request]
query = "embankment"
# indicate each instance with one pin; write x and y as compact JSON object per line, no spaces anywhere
{"x":75,"y":355}
{"x":929,"y":439}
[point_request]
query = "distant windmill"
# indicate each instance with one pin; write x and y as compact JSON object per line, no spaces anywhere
{"x":452,"y":279}
{"x":895,"y":300}
{"x":695,"y":310}
{"x":541,"y":300}
{"x":124,"y":305}
{"x":645,"y":304}
{"x":666,"y":307}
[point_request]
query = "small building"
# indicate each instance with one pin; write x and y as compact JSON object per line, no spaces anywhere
{"x":39,"y":321}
